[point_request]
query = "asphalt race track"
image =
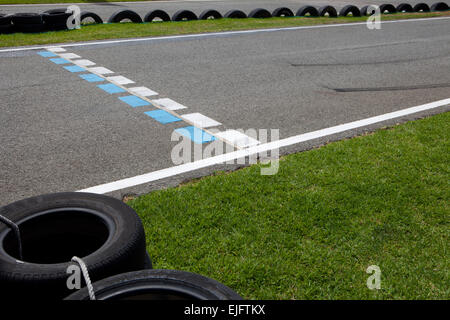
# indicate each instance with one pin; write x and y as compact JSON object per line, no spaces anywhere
{"x":61,"y":132}
{"x":105,"y":10}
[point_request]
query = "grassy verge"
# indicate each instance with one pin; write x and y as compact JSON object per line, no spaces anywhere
{"x":131,"y":30}
{"x":311,"y":231}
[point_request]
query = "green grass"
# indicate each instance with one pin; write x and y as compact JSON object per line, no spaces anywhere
{"x":132,"y":30}
{"x":311,"y":231}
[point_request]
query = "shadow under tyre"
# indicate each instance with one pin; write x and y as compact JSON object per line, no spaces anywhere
{"x":158,"y":285}
{"x":106,"y":233}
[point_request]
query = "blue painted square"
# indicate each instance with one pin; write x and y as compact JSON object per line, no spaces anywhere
{"x":59,"y":61}
{"x":134,"y":101}
{"x":47,"y":54}
{"x":110,"y":88}
{"x":90,"y":77}
{"x":195,"y":134}
{"x":162,"y":116}
{"x":74,"y":69}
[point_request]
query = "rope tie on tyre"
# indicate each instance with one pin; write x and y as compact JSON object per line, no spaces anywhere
{"x":15,"y":228}
{"x":87,"y":279}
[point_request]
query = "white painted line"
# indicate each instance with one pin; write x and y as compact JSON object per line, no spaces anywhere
{"x":169,"y":104}
{"x":84,"y":63}
{"x":69,"y":56}
{"x":101,"y":70}
{"x":56,"y":49}
{"x":143,"y":91}
{"x":200,"y":120}
{"x":237,"y":138}
{"x":220,"y":159}
{"x":215,"y":34}
{"x":120,"y":80}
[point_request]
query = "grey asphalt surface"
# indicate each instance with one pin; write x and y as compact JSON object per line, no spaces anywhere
{"x":61,"y":133}
{"x":106,"y":9}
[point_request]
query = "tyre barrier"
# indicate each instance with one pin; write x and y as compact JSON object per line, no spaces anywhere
{"x":28,"y":22}
{"x":153,"y":15}
{"x":350,"y":9}
{"x":121,"y":15}
{"x":328,"y":10}
{"x":439,"y":6}
{"x":158,"y":285}
{"x":282,"y":12}
{"x":106,"y":233}
{"x":404,"y":7}
{"x":87,"y":14}
{"x":235,"y":14}
{"x":260,"y":13}
{"x":307,"y":10}
{"x":421,"y":7}
{"x":56,"y":19}
{"x":387,"y":8}
{"x":210,"y":14}
{"x":6,"y":26}
{"x":184,"y":15}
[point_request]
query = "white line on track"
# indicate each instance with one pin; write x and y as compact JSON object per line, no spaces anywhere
{"x":220,"y":159}
{"x":214,"y":34}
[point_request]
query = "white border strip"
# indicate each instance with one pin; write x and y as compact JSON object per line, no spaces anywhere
{"x":213,"y":34}
{"x":220,"y":159}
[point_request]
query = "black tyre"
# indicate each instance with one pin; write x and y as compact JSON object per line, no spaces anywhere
{"x":260,"y":13}
{"x":235,"y":14}
{"x":121,"y":15}
{"x":331,"y":11}
{"x":364,"y":11}
{"x":5,"y":19}
{"x":85,"y":15}
{"x":30,"y":28}
{"x":405,"y":7}
{"x":104,"y":232}
{"x":210,"y":14}
{"x":26,"y":19}
{"x":439,"y":6}
{"x":349,"y":9}
{"x":6,"y":28}
{"x":282,"y":12}
{"x":307,"y":10}
{"x":156,"y":15}
{"x":56,"y":20}
{"x":158,"y":285}
{"x":184,"y":15}
{"x":421,"y":7}
{"x":387,"y":8}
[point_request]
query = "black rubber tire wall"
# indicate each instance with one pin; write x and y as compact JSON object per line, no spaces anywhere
{"x":149,"y":17}
{"x":194,"y":286}
{"x":332,"y":13}
{"x":282,"y":12}
{"x":303,"y":11}
{"x":184,"y":15}
{"x":421,"y":7}
{"x":125,"y":14}
{"x":387,"y":7}
{"x":210,"y":13}
{"x":88,"y":14}
{"x":345,"y":11}
{"x":124,"y":250}
{"x":259,"y":13}
{"x":439,"y":6}
{"x":235,"y":14}
{"x":404,"y":7}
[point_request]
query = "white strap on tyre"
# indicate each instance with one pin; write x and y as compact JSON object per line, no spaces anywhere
{"x":87,"y":279}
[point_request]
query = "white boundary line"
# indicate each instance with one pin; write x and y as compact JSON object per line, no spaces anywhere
{"x":220,"y":159}
{"x":212,"y":34}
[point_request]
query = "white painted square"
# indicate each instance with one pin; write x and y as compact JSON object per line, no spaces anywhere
{"x":69,"y":56}
{"x":143,"y":91}
{"x":120,"y":80}
{"x":237,"y":138}
{"x":101,"y":70}
{"x":56,"y":49}
{"x":200,"y":120}
{"x":169,"y":104}
{"x":84,"y":63}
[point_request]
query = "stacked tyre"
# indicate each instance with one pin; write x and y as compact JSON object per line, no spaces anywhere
{"x":56,"y":19}
{"x":27,"y":22}
{"x":5,"y":24}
